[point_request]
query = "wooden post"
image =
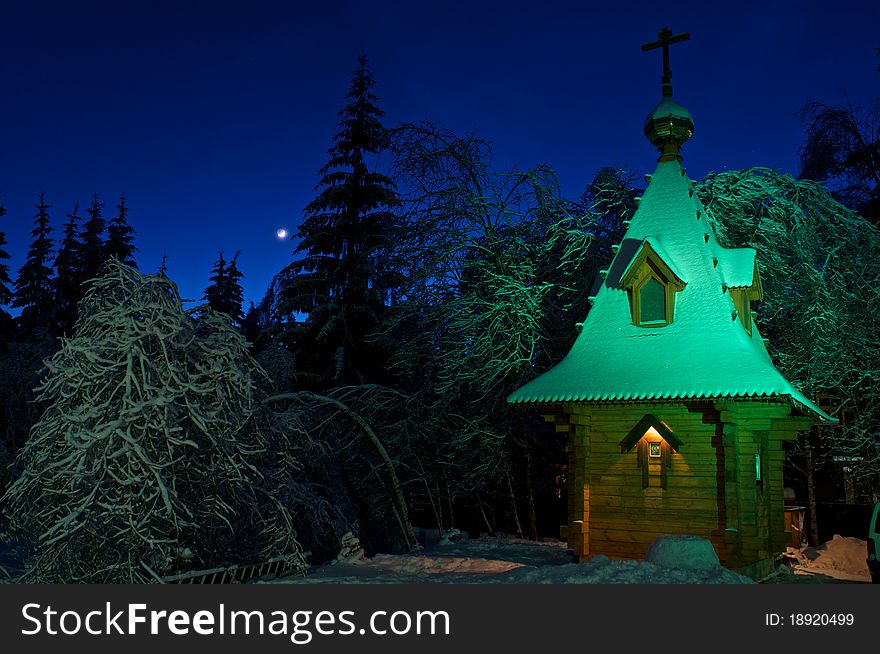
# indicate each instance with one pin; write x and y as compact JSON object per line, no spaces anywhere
{"x":811,"y":492}
{"x":579,"y":484}
{"x":731,"y":495}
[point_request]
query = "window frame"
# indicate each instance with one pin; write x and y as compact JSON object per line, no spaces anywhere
{"x":742,"y":301}
{"x":742,"y":298}
{"x":645,"y":266}
{"x":648,"y":271}
{"x":668,"y":299}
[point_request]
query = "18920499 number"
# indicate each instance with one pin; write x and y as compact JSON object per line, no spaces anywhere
{"x":821,"y":619}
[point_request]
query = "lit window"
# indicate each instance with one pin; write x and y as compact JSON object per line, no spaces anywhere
{"x":759,"y":469}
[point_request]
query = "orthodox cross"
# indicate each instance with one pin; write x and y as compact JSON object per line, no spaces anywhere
{"x":665,"y":39}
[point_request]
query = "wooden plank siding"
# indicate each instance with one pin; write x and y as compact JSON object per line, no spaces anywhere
{"x":711,"y":484}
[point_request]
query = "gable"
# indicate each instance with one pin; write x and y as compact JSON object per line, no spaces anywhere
{"x":650,"y":256}
{"x":642,"y":426}
{"x":739,"y":269}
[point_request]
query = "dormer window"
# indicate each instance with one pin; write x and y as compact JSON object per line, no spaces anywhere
{"x":652,"y":284}
{"x":740,"y":276}
{"x":742,"y":301}
{"x":652,"y":302}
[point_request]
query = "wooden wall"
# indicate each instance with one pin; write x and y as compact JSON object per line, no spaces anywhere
{"x":710,"y":486}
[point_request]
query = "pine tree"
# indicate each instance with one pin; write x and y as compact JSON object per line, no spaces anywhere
{"x":68,"y":273}
{"x":218,"y":279}
{"x":120,"y":236}
{"x":163,"y":267}
{"x":233,"y":294}
{"x":93,"y":239}
{"x":5,"y":282}
{"x":337,"y":282}
{"x":225,"y":294}
{"x":34,"y":293}
{"x":7,"y":326}
{"x":252,"y":325}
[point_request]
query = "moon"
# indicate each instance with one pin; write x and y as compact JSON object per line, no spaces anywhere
{"x":281,"y":233}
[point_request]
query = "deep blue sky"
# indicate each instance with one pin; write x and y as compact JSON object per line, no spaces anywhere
{"x":213,"y":118}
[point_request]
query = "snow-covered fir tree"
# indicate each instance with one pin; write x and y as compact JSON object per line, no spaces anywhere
{"x":153,"y":454}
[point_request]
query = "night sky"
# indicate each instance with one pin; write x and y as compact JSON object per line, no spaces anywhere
{"x":214,"y":119}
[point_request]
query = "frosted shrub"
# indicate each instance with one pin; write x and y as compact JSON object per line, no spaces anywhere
{"x":146,"y":461}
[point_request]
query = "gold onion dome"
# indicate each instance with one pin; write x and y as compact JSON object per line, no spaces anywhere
{"x":668,"y":126}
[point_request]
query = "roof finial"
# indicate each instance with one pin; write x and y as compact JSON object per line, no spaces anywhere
{"x":665,"y":39}
{"x":669,"y":125}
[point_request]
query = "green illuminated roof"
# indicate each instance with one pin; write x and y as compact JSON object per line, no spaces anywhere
{"x":738,"y":267}
{"x":655,"y":245}
{"x":704,"y":353}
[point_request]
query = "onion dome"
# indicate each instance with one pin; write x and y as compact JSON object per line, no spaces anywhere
{"x":668,"y":126}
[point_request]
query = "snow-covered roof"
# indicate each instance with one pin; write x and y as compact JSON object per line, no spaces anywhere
{"x":657,"y":247}
{"x":738,"y":269}
{"x":705,"y":352}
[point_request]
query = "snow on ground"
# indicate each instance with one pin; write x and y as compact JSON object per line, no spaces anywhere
{"x":515,"y":561}
{"x":842,"y":558}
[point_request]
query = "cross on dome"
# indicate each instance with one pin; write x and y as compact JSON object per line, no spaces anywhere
{"x":665,"y":39}
{"x":669,"y":124}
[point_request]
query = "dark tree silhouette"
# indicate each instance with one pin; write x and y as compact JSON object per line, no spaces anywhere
{"x":120,"y":236}
{"x":7,"y":326}
{"x":218,"y":277}
{"x":68,"y":273}
{"x":338,"y":282}
{"x":163,"y":267}
{"x":251,"y":325}
{"x":843,"y":150}
{"x":93,"y":239}
{"x":225,"y":294}
{"x":266,"y":322}
{"x":34,"y":293}
{"x":233,"y":295}
{"x":5,"y":282}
